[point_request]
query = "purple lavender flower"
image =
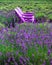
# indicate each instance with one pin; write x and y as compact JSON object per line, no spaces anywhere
{"x":49,"y":52}
{"x":44,"y":63}
{"x":0,"y":53}
{"x":15,"y":63}
{"x":50,"y":61}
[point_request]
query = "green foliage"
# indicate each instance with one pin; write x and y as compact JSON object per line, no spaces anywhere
{"x":50,"y":16}
{"x":4,"y":49}
{"x":39,"y":14}
{"x":39,"y":7}
{"x":41,"y":25}
{"x":2,"y":25}
{"x":10,"y":19}
{"x":2,"y":19}
{"x":38,"y":54}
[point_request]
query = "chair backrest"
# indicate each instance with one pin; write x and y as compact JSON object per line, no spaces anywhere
{"x":19,"y":12}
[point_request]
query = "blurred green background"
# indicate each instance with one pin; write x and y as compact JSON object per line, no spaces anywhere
{"x":39,"y":7}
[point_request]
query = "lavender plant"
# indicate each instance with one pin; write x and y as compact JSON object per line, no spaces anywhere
{"x":27,"y":45}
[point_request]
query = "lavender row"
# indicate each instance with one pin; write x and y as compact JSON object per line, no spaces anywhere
{"x":32,"y":44}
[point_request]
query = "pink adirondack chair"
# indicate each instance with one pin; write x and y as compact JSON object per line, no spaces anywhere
{"x":24,"y":17}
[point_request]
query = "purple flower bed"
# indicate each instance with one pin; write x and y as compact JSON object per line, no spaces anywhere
{"x":32,"y":45}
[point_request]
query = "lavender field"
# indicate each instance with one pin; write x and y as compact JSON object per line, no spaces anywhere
{"x":26,"y":43}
